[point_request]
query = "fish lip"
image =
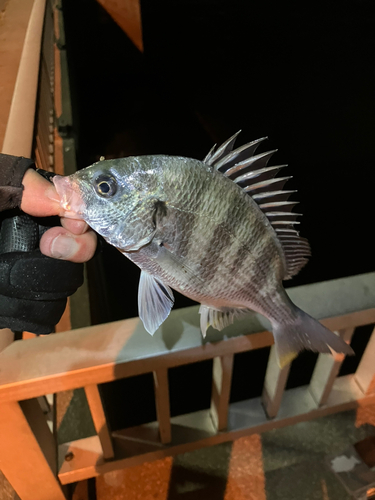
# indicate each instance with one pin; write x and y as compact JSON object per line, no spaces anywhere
{"x":70,"y":199}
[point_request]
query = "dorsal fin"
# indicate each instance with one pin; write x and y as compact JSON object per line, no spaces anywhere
{"x":251,"y":173}
{"x":214,"y":156}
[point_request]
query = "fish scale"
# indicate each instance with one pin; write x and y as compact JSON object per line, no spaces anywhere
{"x":195,"y":227}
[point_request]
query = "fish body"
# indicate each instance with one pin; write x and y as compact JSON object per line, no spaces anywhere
{"x":219,"y":231}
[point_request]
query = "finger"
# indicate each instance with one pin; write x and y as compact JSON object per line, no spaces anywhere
{"x":74,"y":226}
{"x":59,"y":243}
{"x":39,"y":197}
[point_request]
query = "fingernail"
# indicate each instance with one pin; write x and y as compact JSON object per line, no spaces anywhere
{"x":63,"y":247}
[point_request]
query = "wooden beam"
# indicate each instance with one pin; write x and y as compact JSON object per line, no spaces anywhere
{"x":326,"y":370}
{"x":365,"y":374}
{"x":163,"y":412}
{"x":127,"y":14}
{"x":20,"y":127}
{"x":221,"y":384}
{"x":27,"y":452}
{"x":6,"y":338}
{"x":100,"y":422}
{"x":274,"y":384}
{"x":14,"y":20}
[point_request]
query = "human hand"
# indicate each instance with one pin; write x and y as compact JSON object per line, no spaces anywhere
{"x":74,"y":241}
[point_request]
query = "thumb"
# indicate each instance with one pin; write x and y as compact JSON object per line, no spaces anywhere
{"x":39,"y":197}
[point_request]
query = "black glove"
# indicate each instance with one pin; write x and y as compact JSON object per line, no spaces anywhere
{"x":33,"y":287}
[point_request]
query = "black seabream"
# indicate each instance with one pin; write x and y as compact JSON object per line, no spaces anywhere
{"x":220,"y":231}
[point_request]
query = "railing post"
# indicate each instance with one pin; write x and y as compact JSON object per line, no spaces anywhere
{"x":365,"y":374}
{"x":98,"y":416}
{"x":163,"y":412}
{"x":6,"y":338}
{"x":221,"y":384}
{"x":326,"y":370}
{"x":19,"y":132}
{"x":28,"y":451}
{"x":274,"y":384}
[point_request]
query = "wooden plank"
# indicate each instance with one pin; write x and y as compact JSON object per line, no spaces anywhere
{"x":221,"y":384}
{"x":6,"y":338}
{"x":365,"y":374}
{"x":127,"y":14}
{"x":27,"y":453}
{"x":163,"y":412}
{"x":58,"y":157}
{"x":100,"y":422}
{"x":20,"y":127}
{"x":90,"y":355}
{"x":195,"y":430}
{"x":6,"y":490}
{"x":57,"y":89}
{"x":326,"y":370}
{"x":274,"y":384}
{"x":13,"y":25}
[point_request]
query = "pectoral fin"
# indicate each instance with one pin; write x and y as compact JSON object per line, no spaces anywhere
{"x":134,"y":246}
{"x":155,"y":301}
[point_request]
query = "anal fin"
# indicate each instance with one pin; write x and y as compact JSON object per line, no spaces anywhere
{"x":218,"y":319}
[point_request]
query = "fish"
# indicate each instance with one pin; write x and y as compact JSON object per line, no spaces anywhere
{"x":220,"y":231}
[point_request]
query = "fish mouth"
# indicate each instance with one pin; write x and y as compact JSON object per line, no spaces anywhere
{"x":70,"y":198}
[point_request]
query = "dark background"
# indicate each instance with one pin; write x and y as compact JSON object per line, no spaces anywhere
{"x":302,"y":73}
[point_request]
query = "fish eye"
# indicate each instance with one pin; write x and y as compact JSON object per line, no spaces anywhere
{"x":105,"y":185}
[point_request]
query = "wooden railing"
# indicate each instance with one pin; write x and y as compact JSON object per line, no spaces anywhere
{"x":88,"y":357}
{"x":94,"y":355}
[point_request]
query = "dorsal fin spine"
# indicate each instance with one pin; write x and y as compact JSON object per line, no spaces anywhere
{"x":257,"y":173}
{"x":268,"y":193}
{"x":226,"y":146}
{"x":234,"y":154}
{"x":250,"y":161}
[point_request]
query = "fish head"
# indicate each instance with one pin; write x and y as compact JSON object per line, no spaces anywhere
{"x":107,"y":193}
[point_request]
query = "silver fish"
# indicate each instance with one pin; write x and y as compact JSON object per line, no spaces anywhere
{"x":220,"y":231}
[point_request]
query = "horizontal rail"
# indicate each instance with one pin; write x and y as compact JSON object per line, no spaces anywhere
{"x":104,"y":353}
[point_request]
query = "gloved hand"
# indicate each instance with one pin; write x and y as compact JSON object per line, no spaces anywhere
{"x":33,"y":288}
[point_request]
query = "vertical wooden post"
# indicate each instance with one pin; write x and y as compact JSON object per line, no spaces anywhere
{"x":6,"y":338}
{"x":100,"y":422}
{"x":365,"y":374}
{"x":221,"y":384}
{"x":162,"y":404}
{"x":326,"y":370}
{"x":19,"y":132}
{"x":274,"y":384}
{"x":28,"y":452}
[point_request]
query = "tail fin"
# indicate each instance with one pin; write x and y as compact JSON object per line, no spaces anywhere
{"x":304,"y":332}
